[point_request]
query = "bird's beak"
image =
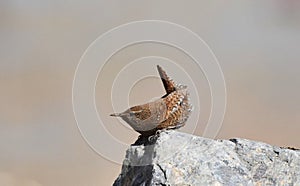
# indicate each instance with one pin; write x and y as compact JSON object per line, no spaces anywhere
{"x":119,"y":114}
{"x":116,"y":114}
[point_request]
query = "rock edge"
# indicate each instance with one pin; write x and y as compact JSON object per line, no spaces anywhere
{"x":176,"y":158}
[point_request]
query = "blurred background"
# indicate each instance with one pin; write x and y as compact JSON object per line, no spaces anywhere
{"x":256,"y":43}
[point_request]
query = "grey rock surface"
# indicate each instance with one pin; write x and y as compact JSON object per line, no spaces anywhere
{"x":176,"y":158}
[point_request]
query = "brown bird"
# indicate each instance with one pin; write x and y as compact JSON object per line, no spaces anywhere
{"x":169,"y":112}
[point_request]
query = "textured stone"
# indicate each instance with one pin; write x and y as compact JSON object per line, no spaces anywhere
{"x":176,"y":158}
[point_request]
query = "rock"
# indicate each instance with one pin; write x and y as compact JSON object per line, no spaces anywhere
{"x":176,"y":158}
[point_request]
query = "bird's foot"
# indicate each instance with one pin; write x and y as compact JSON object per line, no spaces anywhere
{"x":152,"y":138}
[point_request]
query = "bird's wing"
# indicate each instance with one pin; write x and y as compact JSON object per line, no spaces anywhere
{"x":178,"y":109}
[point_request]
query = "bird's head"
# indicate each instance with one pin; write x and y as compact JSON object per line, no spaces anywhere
{"x":136,"y":116}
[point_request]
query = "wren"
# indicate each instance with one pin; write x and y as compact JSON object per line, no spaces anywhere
{"x":171,"y":111}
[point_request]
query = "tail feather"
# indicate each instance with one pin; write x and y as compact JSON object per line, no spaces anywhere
{"x":169,"y":84}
